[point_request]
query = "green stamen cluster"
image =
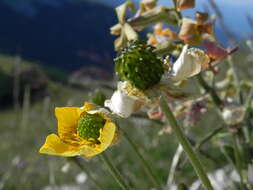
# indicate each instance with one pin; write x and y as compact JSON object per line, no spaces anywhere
{"x":89,"y":126}
{"x":139,"y":65}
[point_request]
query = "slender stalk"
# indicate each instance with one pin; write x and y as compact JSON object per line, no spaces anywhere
{"x":174,"y":3}
{"x":114,"y":172}
{"x":236,"y":79}
{"x":76,"y":160}
{"x":208,"y":137}
{"x":186,"y":146}
{"x":218,"y":103}
{"x":174,"y":164}
{"x":197,"y":146}
{"x":202,"y":152}
{"x":247,"y":129}
{"x":239,"y":162}
{"x":143,"y":162}
{"x":16,"y":83}
{"x":216,"y":99}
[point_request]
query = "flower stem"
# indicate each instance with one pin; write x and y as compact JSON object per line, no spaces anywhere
{"x":114,"y":172}
{"x":174,"y":3}
{"x":143,"y":162}
{"x":239,"y":161}
{"x":76,"y":160}
{"x":216,"y":99}
{"x":208,"y":137}
{"x":186,"y":146}
{"x":236,"y":79}
{"x":174,"y":165}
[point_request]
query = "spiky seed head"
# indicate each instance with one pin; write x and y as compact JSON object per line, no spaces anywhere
{"x":139,"y":65}
{"x":89,"y":127}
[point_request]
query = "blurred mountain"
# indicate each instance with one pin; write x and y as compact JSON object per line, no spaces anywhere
{"x":70,"y":34}
{"x":64,"y":34}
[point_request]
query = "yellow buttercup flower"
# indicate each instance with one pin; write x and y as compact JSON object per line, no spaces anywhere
{"x":81,"y":131}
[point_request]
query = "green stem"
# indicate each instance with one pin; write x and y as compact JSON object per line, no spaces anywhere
{"x":143,"y":162}
{"x":238,"y":161}
{"x":247,"y":129}
{"x":174,"y":165}
{"x":186,"y":146}
{"x":174,"y":3}
{"x":76,"y":160}
{"x":208,"y":137}
{"x":216,"y":99}
{"x":236,"y":79}
{"x":114,"y":172}
{"x":204,"y":153}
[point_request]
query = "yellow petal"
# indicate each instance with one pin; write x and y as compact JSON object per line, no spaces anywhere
{"x":107,"y":135}
{"x":67,"y":121}
{"x":54,"y":146}
{"x":106,"y":139}
{"x":88,"y":106}
{"x":89,"y":151}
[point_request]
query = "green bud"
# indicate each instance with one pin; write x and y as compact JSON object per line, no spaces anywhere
{"x":89,"y":126}
{"x":99,"y":98}
{"x":139,"y":65}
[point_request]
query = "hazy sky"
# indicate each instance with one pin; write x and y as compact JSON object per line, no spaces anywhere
{"x":234,"y":12}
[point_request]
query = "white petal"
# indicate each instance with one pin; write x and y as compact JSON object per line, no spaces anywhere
{"x":121,"y":104}
{"x":233,"y":114}
{"x":188,"y":64}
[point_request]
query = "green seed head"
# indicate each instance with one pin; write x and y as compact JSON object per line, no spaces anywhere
{"x":139,"y":65}
{"x":89,"y":126}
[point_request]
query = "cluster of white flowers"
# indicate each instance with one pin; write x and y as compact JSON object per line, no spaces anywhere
{"x":127,"y":100}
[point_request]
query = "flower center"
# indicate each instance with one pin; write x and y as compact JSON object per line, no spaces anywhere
{"x":89,"y":126}
{"x":139,"y":65}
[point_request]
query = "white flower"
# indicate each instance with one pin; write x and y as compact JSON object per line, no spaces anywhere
{"x":81,"y":178}
{"x":233,"y":114}
{"x":65,"y":168}
{"x":188,"y":64}
{"x":128,"y":99}
{"x":121,"y":103}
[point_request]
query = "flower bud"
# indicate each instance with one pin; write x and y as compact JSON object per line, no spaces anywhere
{"x":233,"y":114}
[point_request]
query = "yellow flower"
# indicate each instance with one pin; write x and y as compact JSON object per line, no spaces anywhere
{"x":81,"y":131}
